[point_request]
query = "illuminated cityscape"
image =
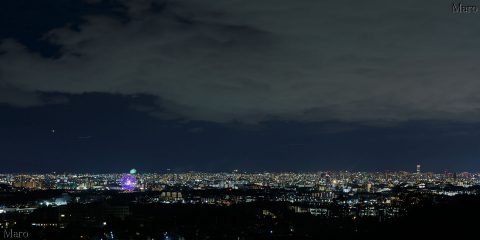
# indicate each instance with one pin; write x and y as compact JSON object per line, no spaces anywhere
{"x":239,"y":119}
{"x":356,"y":196}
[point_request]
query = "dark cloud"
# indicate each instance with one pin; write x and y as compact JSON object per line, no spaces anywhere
{"x":251,"y":61}
{"x":19,"y":98}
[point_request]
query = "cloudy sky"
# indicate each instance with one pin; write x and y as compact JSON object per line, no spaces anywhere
{"x":102,"y":85}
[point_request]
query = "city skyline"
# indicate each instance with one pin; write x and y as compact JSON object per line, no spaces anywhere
{"x":417,"y":170}
{"x":262,"y":205}
{"x":239,"y":119}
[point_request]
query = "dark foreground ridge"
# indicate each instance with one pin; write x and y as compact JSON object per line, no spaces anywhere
{"x":156,"y":215}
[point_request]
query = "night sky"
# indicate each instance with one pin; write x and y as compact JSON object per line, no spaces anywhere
{"x":210,"y":85}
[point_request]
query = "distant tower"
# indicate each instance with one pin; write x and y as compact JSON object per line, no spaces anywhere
{"x":418,"y":168}
{"x":369,"y":187}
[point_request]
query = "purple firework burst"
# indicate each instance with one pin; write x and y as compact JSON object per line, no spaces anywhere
{"x":128,"y":182}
